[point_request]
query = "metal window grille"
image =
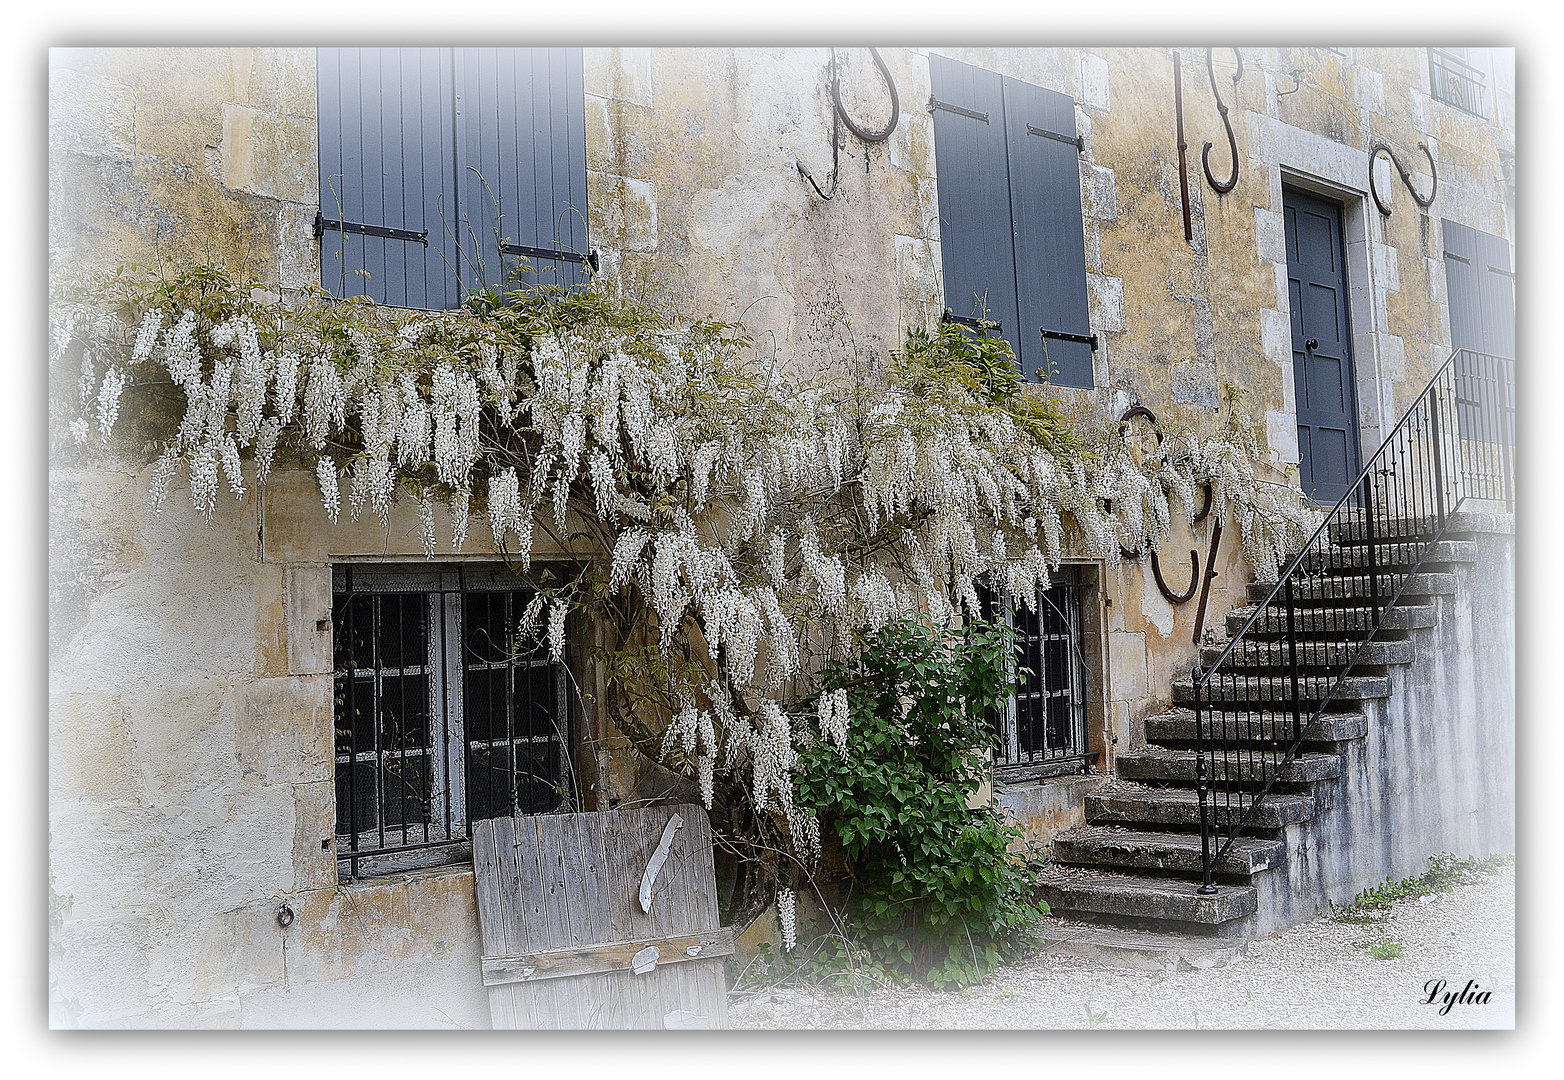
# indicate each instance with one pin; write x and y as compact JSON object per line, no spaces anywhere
{"x":1454,"y":81}
{"x":443,"y":716}
{"x":1041,"y":730}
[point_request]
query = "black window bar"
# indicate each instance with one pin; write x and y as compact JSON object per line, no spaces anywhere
{"x":442,"y":715}
{"x":1041,"y":730}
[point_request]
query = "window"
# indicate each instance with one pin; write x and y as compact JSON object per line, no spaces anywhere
{"x":442,"y":716}
{"x":1011,"y":234}
{"x":1480,"y":291}
{"x":1454,"y":81}
{"x":442,"y":169}
{"x":1041,"y":731}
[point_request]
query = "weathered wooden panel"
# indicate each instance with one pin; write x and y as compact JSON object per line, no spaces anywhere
{"x":563,"y":926}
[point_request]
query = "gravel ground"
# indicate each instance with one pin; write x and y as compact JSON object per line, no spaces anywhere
{"x":1317,"y":975}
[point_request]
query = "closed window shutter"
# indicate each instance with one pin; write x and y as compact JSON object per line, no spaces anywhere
{"x":386,"y":133}
{"x":522,"y":158}
{"x":1010,"y":214}
{"x":1480,"y":290}
{"x":976,"y":242}
{"x":1050,"y":247}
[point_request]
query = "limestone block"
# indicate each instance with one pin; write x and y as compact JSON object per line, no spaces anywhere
{"x":1368,"y":92}
{"x":917,"y":276}
{"x":1281,"y":434}
{"x":622,"y":211}
{"x":271,"y":621}
{"x":379,"y":926}
{"x":1126,"y":665}
{"x":285,"y":729}
{"x":238,"y":951}
{"x":102,"y":969}
{"x":298,"y":256}
{"x":307,"y":594}
{"x":1270,"y":235}
{"x":91,"y":756}
{"x":1387,"y":266}
{"x":1392,"y":357}
{"x":89,"y":113}
{"x":1091,"y":82}
{"x":1107,"y":302}
{"x":599,"y":136}
{"x":625,"y":74}
{"x":268,"y":154}
{"x":314,"y":852}
{"x":1276,"y":336}
{"x":1102,"y":196}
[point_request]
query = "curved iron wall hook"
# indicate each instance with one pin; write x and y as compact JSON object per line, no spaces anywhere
{"x":1205,"y":510}
{"x":1222,"y":187}
{"x":1194,"y":579}
{"x":1406,"y":177}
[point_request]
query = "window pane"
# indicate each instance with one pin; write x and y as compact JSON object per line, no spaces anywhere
{"x":484,"y":703}
{"x":404,"y":712}
{"x":537,"y":778}
{"x":406,"y":789}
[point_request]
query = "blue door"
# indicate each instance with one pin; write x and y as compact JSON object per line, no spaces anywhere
{"x":1323,"y":377}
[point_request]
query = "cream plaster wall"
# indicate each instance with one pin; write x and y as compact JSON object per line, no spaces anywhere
{"x":190,"y":775}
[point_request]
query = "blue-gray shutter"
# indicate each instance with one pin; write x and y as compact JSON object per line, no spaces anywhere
{"x":387,"y":160}
{"x":521,"y":156}
{"x":976,"y":241}
{"x":1480,"y":289}
{"x":1050,"y":245}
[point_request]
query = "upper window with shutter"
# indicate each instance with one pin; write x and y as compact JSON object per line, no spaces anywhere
{"x":1011,"y":233}
{"x":443,"y":169}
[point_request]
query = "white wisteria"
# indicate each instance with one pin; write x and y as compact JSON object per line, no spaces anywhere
{"x":759,"y":523}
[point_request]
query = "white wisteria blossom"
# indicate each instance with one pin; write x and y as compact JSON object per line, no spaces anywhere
{"x":733,"y":527}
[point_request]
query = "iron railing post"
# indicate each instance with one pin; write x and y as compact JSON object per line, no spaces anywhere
{"x":1370,"y":548}
{"x":1292,"y":661}
{"x":1201,"y":785}
{"x":1506,"y":393}
{"x":1439,"y":456}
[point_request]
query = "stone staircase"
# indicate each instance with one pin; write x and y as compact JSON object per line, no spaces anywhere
{"x":1125,"y":883}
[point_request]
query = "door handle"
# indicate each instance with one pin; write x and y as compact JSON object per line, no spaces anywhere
{"x":1312,"y":343}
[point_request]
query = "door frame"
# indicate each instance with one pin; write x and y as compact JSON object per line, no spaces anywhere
{"x":1354,"y":410}
{"x":1378,"y":357}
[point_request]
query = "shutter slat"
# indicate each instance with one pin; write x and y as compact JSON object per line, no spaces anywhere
{"x":976,"y":243}
{"x":1050,"y":246}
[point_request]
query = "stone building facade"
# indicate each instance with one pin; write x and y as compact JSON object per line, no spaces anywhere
{"x":191,"y":778}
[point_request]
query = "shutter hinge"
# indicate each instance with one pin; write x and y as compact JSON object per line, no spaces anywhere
{"x":1078,"y":141}
{"x":590,"y":258}
{"x":935,"y":103}
{"x":322,"y":223}
{"x":1060,"y":335}
{"x":978,"y":325}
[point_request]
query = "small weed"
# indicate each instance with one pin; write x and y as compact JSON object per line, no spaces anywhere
{"x":1385,"y":949}
{"x":1093,"y":1019}
{"x":1444,"y":873}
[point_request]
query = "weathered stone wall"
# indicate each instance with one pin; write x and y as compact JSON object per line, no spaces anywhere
{"x":191,"y":777}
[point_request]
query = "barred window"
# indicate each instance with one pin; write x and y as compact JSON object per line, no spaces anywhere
{"x":444,"y":715}
{"x":1041,"y":729}
{"x":1454,"y":80}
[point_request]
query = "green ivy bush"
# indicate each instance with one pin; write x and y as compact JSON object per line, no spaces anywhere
{"x":933,"y":891}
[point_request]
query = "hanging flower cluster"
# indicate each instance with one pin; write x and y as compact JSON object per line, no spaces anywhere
{"x":758,"y":522}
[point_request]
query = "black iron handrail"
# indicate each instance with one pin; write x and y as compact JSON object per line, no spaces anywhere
{"x":1259,"y":700}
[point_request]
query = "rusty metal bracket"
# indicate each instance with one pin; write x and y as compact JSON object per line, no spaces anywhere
{"x":1183,"y":170}
{"x":1406,"y":177}
{"x":1205,"y":588}
{"x":1194,"y":579}
{"x":1221,"y":187}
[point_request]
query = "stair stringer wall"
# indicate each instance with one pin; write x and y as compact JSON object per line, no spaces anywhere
{"x":1436,"y":770}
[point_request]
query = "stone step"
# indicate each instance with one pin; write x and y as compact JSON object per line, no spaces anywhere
{"x":1161,"y":765}
{"x":1354,"y":589}
{"x":1273,"y":653}
{"x":1139,"y":950}
{"x":1238,"y":688}
{"x":1136,"y":804}
{"x":1330,"y":560}
{"x":1071,"y":889}
{"x":1330,"y":622}
{"x":1177,"y":728}
{"x":1096,"y":845}
{"x":1354,"y":530}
